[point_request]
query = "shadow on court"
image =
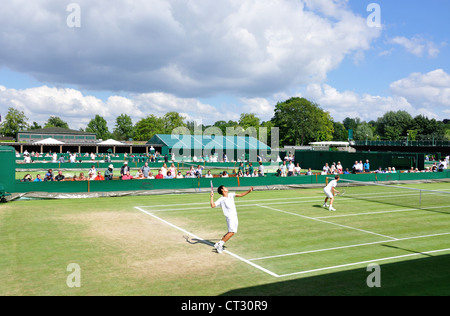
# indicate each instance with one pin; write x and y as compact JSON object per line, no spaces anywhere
{"x":420,"y":277}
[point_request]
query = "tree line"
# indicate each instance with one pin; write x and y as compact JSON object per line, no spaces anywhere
{"x":299,"y":121}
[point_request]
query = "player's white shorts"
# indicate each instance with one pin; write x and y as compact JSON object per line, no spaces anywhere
{"x":328,"y":193}
{"x":232,"y":223}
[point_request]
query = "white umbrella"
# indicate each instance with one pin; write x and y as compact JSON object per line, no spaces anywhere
{"x":49,"y":141}
{"x":110,"y":142}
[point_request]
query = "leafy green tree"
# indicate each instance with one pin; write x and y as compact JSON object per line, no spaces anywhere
{"x":394,"y":125}
{"x":363,"y":132}
{"x":351,"y":123}
{"x":124,"y":128}
{"x":99,"y":126}
{"x":55,"y":121}
{"x":428,"y":128}
{"x":14,"y":122}
{"x":301,"y":121}
{"x":340,"y":132}
{"x":35,"y":125}
{"x":223,"y":125}
{"x":173,"y":120}
{"x":147,"y":127}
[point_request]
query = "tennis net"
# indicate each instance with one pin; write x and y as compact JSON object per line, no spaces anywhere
{"x":398,"y":195}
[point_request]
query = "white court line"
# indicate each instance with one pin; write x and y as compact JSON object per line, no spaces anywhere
{"x":284,"y":201}
{"x":345,"y":247}
{"x":383,"y":212}
{"x":326,"y":222}
{"x":207,"y":242}
{"x":364,"y":262}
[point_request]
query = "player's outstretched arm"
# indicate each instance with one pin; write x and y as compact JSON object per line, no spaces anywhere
{"x":245,"y":193}
{"x":213,"y":205}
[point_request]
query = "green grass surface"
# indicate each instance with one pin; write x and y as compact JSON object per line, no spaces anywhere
{"x":287,"y":244}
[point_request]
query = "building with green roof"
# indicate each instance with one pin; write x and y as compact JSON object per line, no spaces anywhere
{"x":235,"y":147}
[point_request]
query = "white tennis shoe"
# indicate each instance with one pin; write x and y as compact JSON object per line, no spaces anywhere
{"x":218,"y":247}
{"x":332,"y":209}
{"x":325,"y":205}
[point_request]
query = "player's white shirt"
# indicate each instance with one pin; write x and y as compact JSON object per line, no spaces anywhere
{"x":331,"y":184}
{"x":227,"y":204}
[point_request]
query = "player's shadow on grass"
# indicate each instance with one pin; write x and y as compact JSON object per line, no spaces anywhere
{"x":194,"y":241}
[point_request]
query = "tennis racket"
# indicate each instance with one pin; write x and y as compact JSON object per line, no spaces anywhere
{"x":341,"y":193}
{"x":212,"y":187}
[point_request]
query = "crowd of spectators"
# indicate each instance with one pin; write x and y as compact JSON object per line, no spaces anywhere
{"x":287,"y":168}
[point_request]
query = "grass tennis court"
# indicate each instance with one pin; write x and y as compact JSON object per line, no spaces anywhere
{"x":287,"y":244}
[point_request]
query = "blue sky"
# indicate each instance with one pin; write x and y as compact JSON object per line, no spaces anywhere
{"x":213,"y":61}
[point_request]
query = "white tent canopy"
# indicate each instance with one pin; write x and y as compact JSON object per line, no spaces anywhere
{"x":110,"y":142}
{"x":49,"y":141}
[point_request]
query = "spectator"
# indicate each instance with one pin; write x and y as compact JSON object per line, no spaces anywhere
{"x":250,"y":168}
{"x":27,"y":178}
{"x":124,"y":169}
{"x":127,"y":176}
{"x":139,"y":174}
{"x":179,"y":175}
{"x":297,"y":169}
{"x":326,"y":169}
{"x":60,"y":176}
{"x":145,"y":170}
{"x":173,"y":169}
{"x":241,"y":168}
{"x":99,"y":177}
{"x":339,"y":168}
{"x":168,"y":175}
{"x":208,"y":174}
{"x":164,"y":169}
{"x":82,"y":177}
{"x":92,"y":172}
{"x":49,"y":175}
{"x":38,"y":178}
{"x":283,"y":169}
{"x":109,"y":172}
{"x":360,"y":167}
{"x":290,"y":168}
{"x":27,"y":159}
{"x":355,"y":167}
{"x":159,"y":175}
{"x":367,"y":166}
{"x":198,"y":171}
{"x":261,"y":169}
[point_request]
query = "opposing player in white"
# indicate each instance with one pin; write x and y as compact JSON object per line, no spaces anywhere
{"x":330,"y":191}
{"x":226,"y":201}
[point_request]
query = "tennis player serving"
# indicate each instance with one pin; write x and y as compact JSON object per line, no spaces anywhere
{"x":226,"y":201}
{"x":330,"y":191}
